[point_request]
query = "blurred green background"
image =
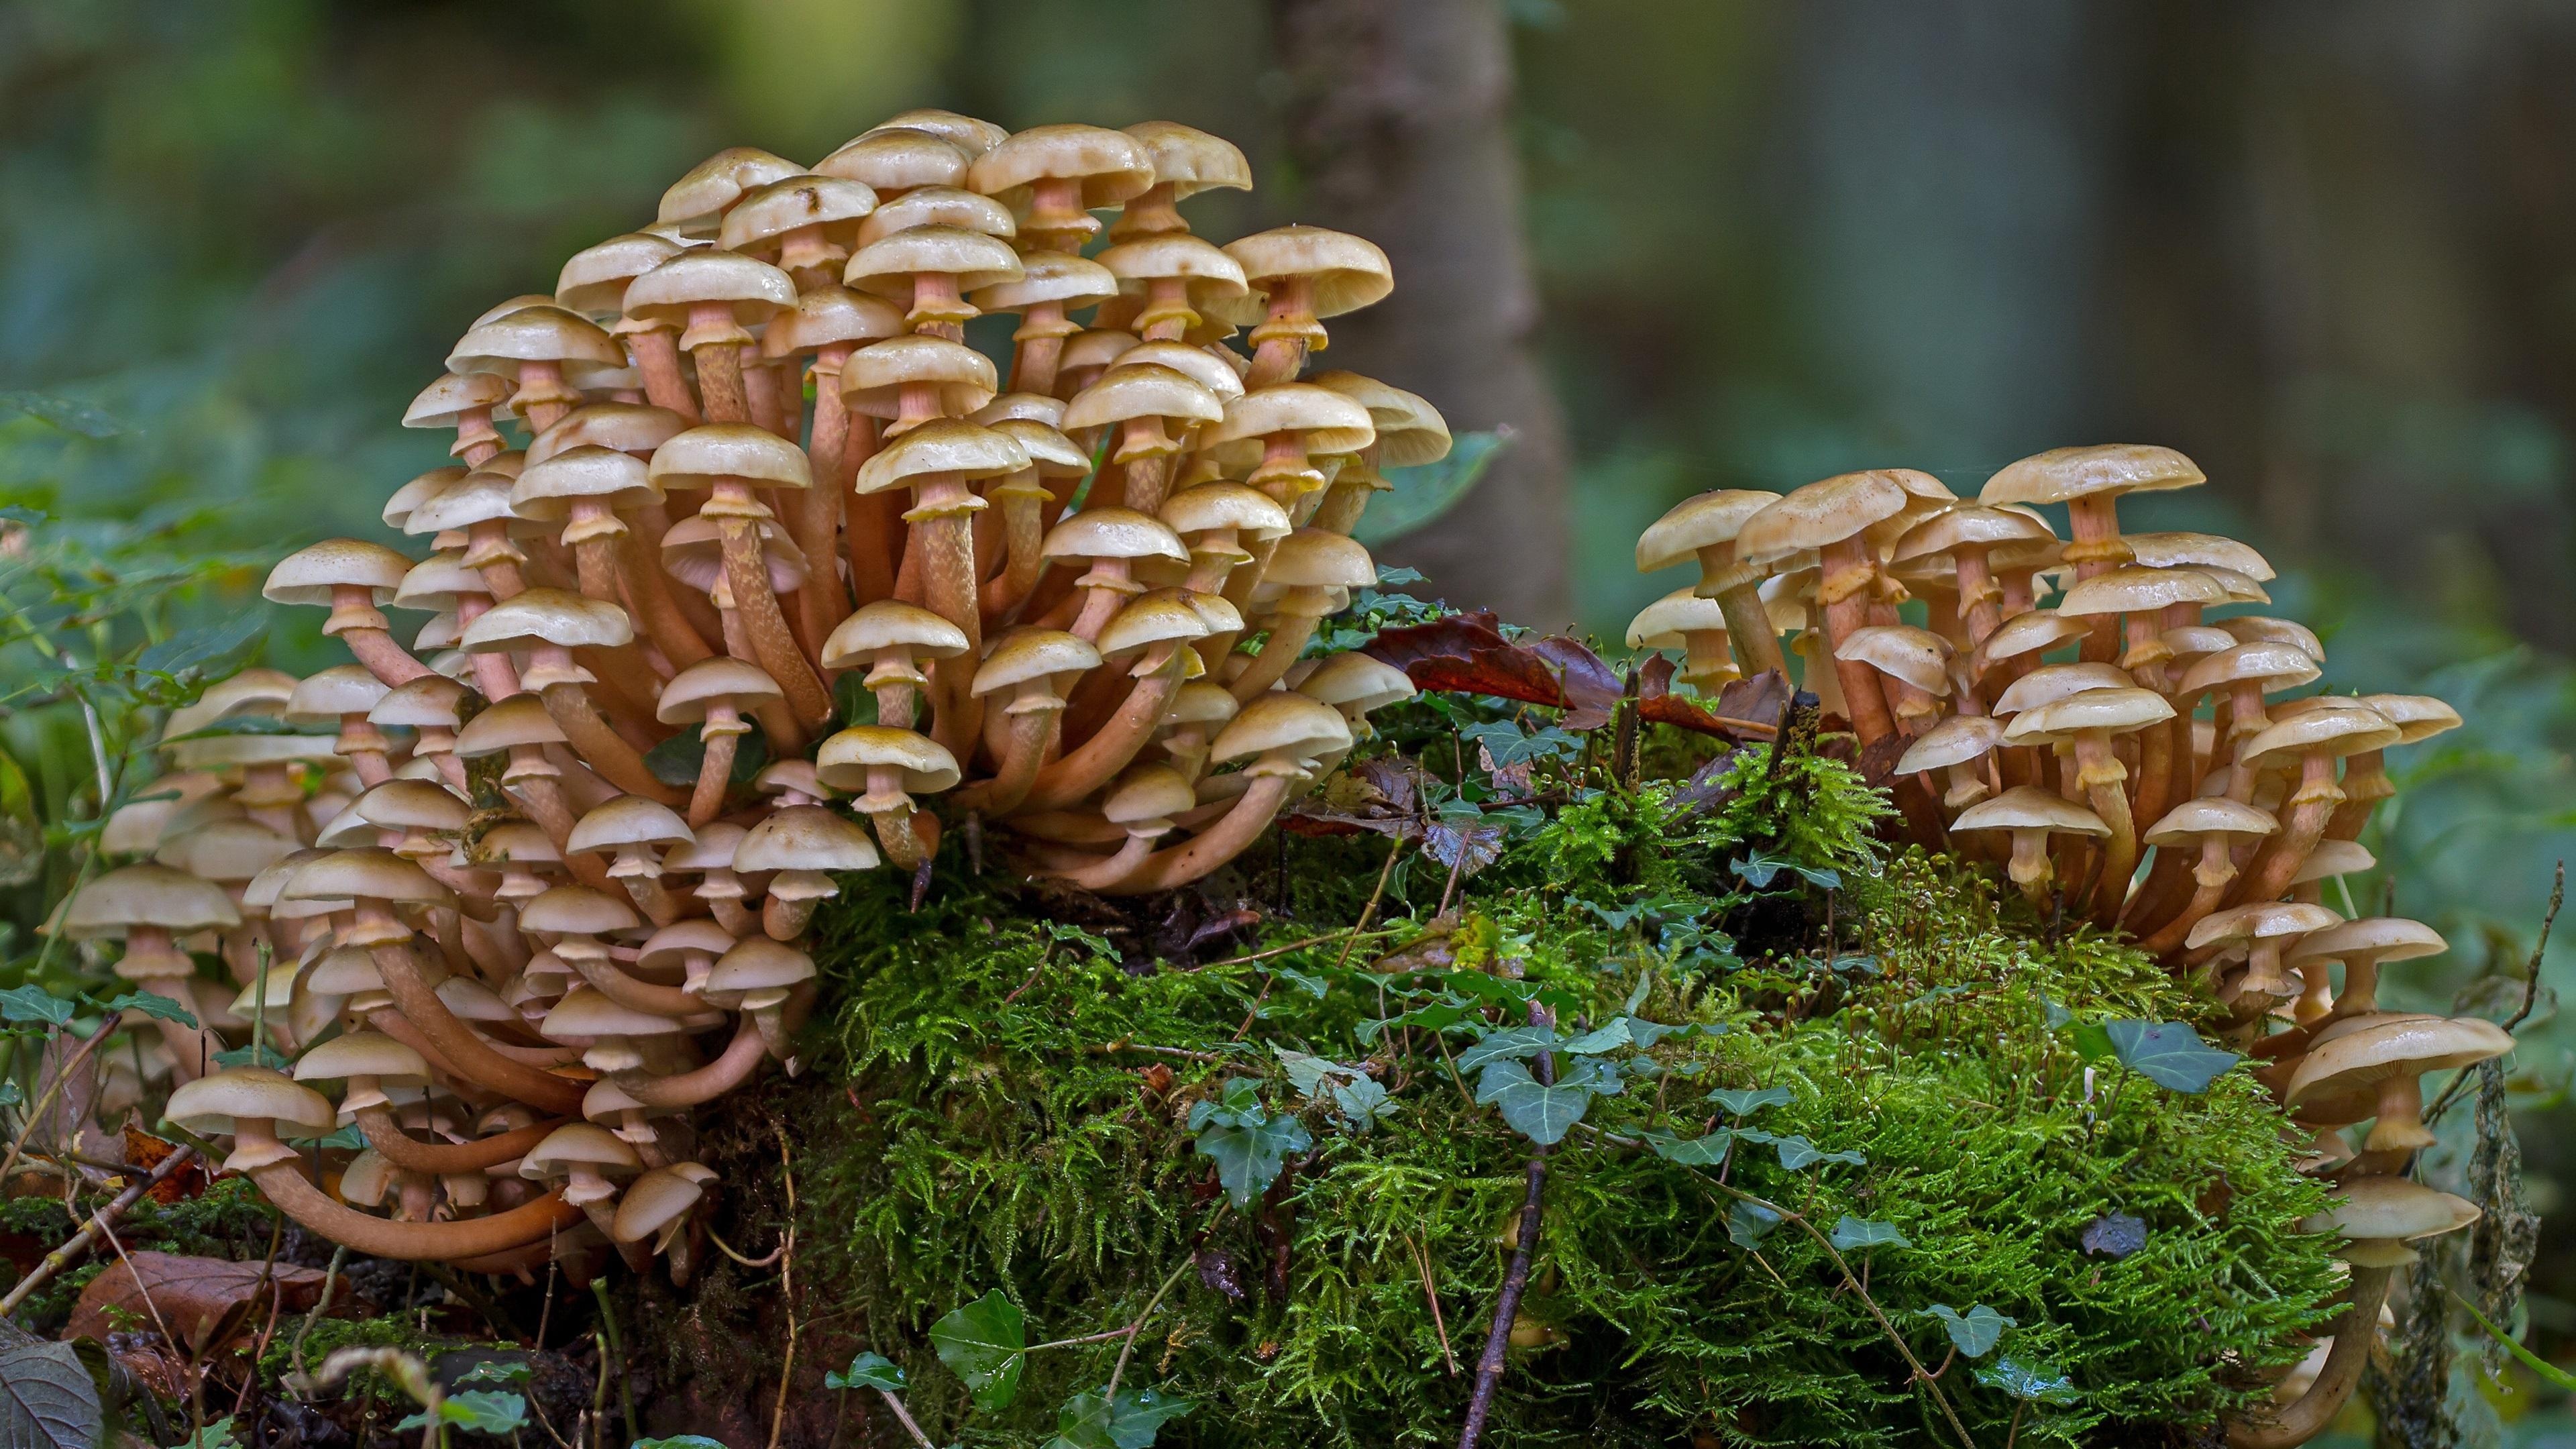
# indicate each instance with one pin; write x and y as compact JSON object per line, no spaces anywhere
{"x":2329,"y":250}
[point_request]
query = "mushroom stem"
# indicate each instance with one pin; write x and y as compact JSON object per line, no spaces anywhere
{"x":720,"y":380}
{"x":1214,"y":846}
{"x":2217,"y":869}
{"x":385,"y":1134}
{"x":740,"y":1058}
{"x":1281,"y":341}
{"x":1033,"y":733}
{"x":1023,"y":500}
{"x":2336,"y":1378}
{"x":2030,"y":867}
{"x":715,"y":773}
{"x":1105,"y":873}
{"x":2100,"y":773}
{"x":656,"y":610}
{"x":2094,"y":520}
{"x":1288,"y":636}
{"x":657,"y":355}
{"x":601,"y":747}
{"x":1844,"y":592}
{"x":1111,"y":748}
{"x":283,"y":1184}
{"x":909,"y":836}
{"x":814,"y":517}
{"x":2311,"y":806}
{"x":626,"y":991}
{"x":773,"y":644}
{"x":1038,"y":348}
{"x":475,"y":1057}
{"x":2365,"y":784}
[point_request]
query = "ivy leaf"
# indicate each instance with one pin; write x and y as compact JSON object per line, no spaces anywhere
{"x":1759,"y":871}
{"x":220,"y":1434}
{"x":1854,"y":1232}
{"x":478,"y":1411}
{"x":47,"y":1398}
{"x":985,"y":1343}
{"x":1748,"y":1223}
{"x":496,"y":1371}
{"x":869,"y":1371}
{"x":203,"y":645}
{"x":1363,"y":1103}
{"x":62,"y":412}
{"x":1424,"y":492}
{"x":31,"y":1004}
{"x":1741,"y":1102}
{"x":1975,"y":1332}
{"x":2029,"y":1384}
{"x":1620,"y":1031}
{"x":1089,"y":1420}
{"x":1797,"y":1152}
{"x":261,"y":1055}
{"x":2092,"y":1043}
{"x":1541,"y":1113}
{"x":1308,"y":1073}
{"x":679,"y":1441}
{"x":154,"y":1005}
{"x":1250,"y":1146}
{"x":2168,"y":1053}
{"x":1706,"y":1151}
{"x":1510,"y":1041}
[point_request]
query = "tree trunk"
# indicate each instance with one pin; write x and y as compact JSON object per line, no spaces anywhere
{"x":1399,"y":124}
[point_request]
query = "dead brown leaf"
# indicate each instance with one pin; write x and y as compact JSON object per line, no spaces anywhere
{"x":205,"y":1301}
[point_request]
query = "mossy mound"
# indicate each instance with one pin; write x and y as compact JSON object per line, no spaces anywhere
{"x":1012,"y":1078}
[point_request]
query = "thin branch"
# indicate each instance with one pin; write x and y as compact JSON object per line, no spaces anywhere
{"x":330,"y":1285}
{"x":100,"y":1221}
{"x":2530,"y":992}
{"x":45,"y":1099}
{"x":1507,"y":1304}
{"x":786,"y":1291}
{"x":1127,"y":1349}
{"x":1422,"y":1259}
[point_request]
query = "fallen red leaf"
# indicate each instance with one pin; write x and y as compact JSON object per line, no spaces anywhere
{"x":1467,"y":654}
{"x":1746,"y":709}
{"x":204,"y":1301}
{"x":147,"y":1152}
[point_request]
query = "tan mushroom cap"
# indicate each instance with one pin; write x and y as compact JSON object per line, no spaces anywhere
{"x":1213,"y":368}
{"x":1156,"y":617}
{"x":1023,"y":655}
{"x":445,"y":402}
{"x":482,"y":496}
{"x":579,"y":1149}
{"x":891,"y":624}
{"x":887,"y":265}
{"x":685,"y":700}
{"x":308,"y":575}
{"x":1200,"y":702}
{"x":966,"y":133}
{"x":251,"y":692}
{"x":2050,"y":683}
{"x":1054,"y":454}
{"x":1210,"y":507}
{"x":2277,"y":666}
{"x":894,"y":160}
{"x":2380,"y":1214}
{"x":593,"y":281}
{"x":1954,"y":741}
{"x":1969,"y":525}
{"x":2062,"y":474}
{"x":846,"y":757}
{"x":756,"y":963}
{"x":585,"y":1013}
{"x":715,"y":184}
{"x":1148,"y":796}
{"x":1142,"y":390}
{"x":1112,"y":533}
{"x":1820,"y":514}
{"x":828,"y":315}
{"x":1329,"y":421}
{"x":667,"y":949}
{"x":1919,"y":657}
{"x":655,"y":1205}
{"x":545,"y":490}
{"x":366,"y":873}
{"x":1348,"y":272}
{"x":412,"y":805}
{"x":2381,"y":938}
{"x":627,"y":820}
{"x":2418,"y":717}
{"x":752,"y":291}
{"x":538,"y":334}
{"x":438,"y":582}
{"x":429,"y":702}
{"x":2035,"y":631}
{"x":2196,"y":550}
{"x":218,"y":1103}
{"x":717,"y":840}
{"x":399,"y":505}
{"x":1700,"y":521}
{"x":1410,"y":431}
{"x":386,"y":1064}
{"x":1359,"y":681}
{"x":2193,"y":821}
{"x":2136,"y":590}
{"x":1111,"y":165}
{"x":548,"y":616}
{"x":940,"y":206}
{"x":325,"y":695}
{"x":1662,"y":623}
{"x":1060,"y":278}
{"x":577,"y":910}
{"x":2260,"y":921}
{"x":519,"y":720}
{"x":1211,"y":278}
{"x":2333,"y":858}
{"x":2115,"y":710}
{"x":1190,"y":160}
{"x":1021,"y":407}
{"x":872,"y":381}
{"x":146,"y":895}
{"x":754,"y":223}
{"x":2406,"y":1045}
{"x":943,"y":445}
{"x":2252,"y":628}
{"x":693,"y":553}
{"x":1282,"y":722}
{"x":2332,"y":731}
{"x":806,"y":837}
{"x":705,"y":454}
{"x":2026,"y":807}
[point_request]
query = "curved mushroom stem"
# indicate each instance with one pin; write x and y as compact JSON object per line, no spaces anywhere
{"x":2096,"y":548}
{"x":283,"y":1184}
{"x":942,"y":520}
{"x":1023,"y":501}
{"x":605,"y":977}
{"x":1288,"y":636}
{"x":1844,"y":593}
{"x":908,"y":835}
{"x":2311,"y":807}
{"x":476,"y":1058}
{"x":656,"y":610}
{"x":814,"y":515}
{"x":715,"y":772}
{"x":773,"y":644}
{"x":2102,"y":776}
{"x":1106,"y":873}
{"x":1033,"y":732}
{"x":657,"y":355}
{"x":2216,"y":871}
{"x":740,"y":1058}
{"x":356,"y":622}
{"x":601,"y":747}
{"x":2365,"y":784}
{"x":1285,"y":335}
{"x":384,"y":1133}
{"x":2031,"y":869}
{"x":1214,"y":846}
{"x":1112,"y":747}
{"x":2336,"y":1379}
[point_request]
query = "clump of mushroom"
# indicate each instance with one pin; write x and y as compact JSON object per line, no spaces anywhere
{"x":492,"y":905}
{"x":2076,"y":713}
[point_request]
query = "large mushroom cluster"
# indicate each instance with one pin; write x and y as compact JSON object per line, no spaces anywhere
{"x":745,"y":555}
{"x":2077,"y":711}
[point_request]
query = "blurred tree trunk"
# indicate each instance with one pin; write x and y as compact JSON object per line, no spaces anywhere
{"x":1399,"y":122}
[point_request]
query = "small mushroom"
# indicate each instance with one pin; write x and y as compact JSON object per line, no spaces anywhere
{"x":2361,"y":946}
{"x":2032,"y":815}
{"x":2394,"y":1057}
{"x":884,"y":766}
{"x":714,"y":694}
{"x":758,"y":977}
{"x":803,"y":844}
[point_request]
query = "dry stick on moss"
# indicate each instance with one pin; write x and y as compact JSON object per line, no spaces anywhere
{"x":1422,"y":1259}
{"x":2530,"y":992}
{"x":1507,"y":1305}
{"x":63,"y":1257}
{"x":276,"y":1305}
{"x":1128,"y":1349}
{"x":330,"y":1284}
{"x":786,"y":1291}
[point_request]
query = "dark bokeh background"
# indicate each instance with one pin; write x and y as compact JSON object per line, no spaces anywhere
{"x":2328,"y":249}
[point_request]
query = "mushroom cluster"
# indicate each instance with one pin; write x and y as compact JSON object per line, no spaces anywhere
{"x":745,"y":557}
{"x":2071,"y":710}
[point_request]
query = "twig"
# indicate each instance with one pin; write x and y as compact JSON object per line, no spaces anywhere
{"x":786,"y":1291}
{"x":330,"y":1285}
{"x":100,"y":1221}
{"x":1422,"y":1260}
{"x":2530,"y":991}
{"x":45,"y":1099}
{"x":1266,"y":954}
{"x":762,"y":1261}
{"x":276,"y":1305}
{"x":1109,"y":1048}
{"x":1125,"y":1350}
{"x":1375,"y":896}
{"x":1507,"y":1304}
{"x":610,"y":1343}
{"x":894,"y":1401}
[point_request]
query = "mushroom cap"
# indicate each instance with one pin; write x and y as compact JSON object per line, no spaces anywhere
{"x":628,"y":820}
{"x":1676,"y":613}
{"x":2333,"y":731}
{"x":1212,"y":506}
{"x":545,"y":489}
{"x":2380,"y":938}
{"x":2277,"y":666}
{"x":1111,"y":165}
{"x":1954,"y":741}
{"x":586,"y":1013}
{"x":444,"y":402}
{"x":1410,"y":431}
{"x":780,"y":777}
{"x":715,"y":184}
{"x":1059,"y":277}
{"x":757,"y":963}
{"x":363,"y":1054}
{"x":1699,"y":521}
{"x":945,"y":445}
{"x":1919,"y":657}
{"x":966,"y":133}
{"x":1201,"y":702}
{"x":1112,"y":533}
{"x":636,"y":428}
{"x":752,"y":290}
{"x":717,"y":840}
{"x":324,"y":696}
{"x":1053,"y":454}
{"x":2063,"y":474}
{"x":400,"y":503}
{"x":538,"y":334}
{"x":146,"y":895}
{"x":366,"y":873}
{"x":1147,"y":794}
{"x":873,"y":378}
{"x":755,"y":222}
{"x":1355,"y":680}
{"x":579,"y":1145}
{"x":670,"y":947}
{"x":1330,"y":422}
{"x":717,"y":679}
{"x":227,"y":851}
{"x":2033,"y":632}
{"x":2136,"y":590}
{"x":548,"y":616}
{"x":2418,"y":717}
{"x":1022,"y":655}
{"x":845,"y":758}
{"x":412,"y":805}
{"x":308,"y":575}
{"x":519,"y":720}
{"x":693,"y":553}
{"x":1154,"y":618}
{"x":887,"y":265}
{"x":577,"y":910}
{"x":482,"y":496}
{"x":2404,"y":1046}
{"x":1022,"y":406}
{"x":2392,"y":1209}
{"x":2254,"y":627}
{"x":1347,"y":272}
{"x":2333,"y":858}
{"x":1142,"y":390}
{"x":1970,"y":526}
{"x":438,"y":583}
{"x":891,"y":624}
{"x":2052,"y":682}
{"x":1282,"y":722}
{"x":1097,"y":347}
{"x":2026,"y":807}
{"x":1189,"y":160}
{"x":2193,"y":641}
{"x":894,"y":160}
{"x":2194,"y":821}
{"x":1316,"y":558}
{"x":1210,"y":279}
{"x":593,"y":280}
{"x":470,"y":1000}
{"x":2196,"y":550}
{"x":659,"y":1199}
{"x":213,"y":1104}
{"x":828,"y":315}
{"x":806,"y":837}
{"x":705,"y":454}
{"x":1212,"y":368}
{"x":343,"y":971}
{"x":2260,"y":921}
{"x":2116,"y":710}
{"x":251,"y":692}
{"x":940,"y":206}
{"x":224,"y":752}
{"x":1819,"y":514}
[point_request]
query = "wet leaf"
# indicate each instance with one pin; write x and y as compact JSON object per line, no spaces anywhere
{"x":1426,"y":491}
{"x":2114,"y":1235}
{"x":1745,"y":1101}
{"x":62,"y":412}
{"x":1852,"y":1232}
{"x":1975,"y":1332}
{"x":2168,"y":1053}
{"x":1707,"y":1151}
{"x":1748,"y":1223}
{"x":206,"y":1301}
{"x":2033,"y":1385}
{"x":33,"y":1005}
{"x":1090,"y":1420}
{"x":984,"y":1344}
{"x":868,"y":1371}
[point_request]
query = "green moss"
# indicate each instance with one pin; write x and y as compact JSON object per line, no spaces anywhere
{"x":1011,"y":1131}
